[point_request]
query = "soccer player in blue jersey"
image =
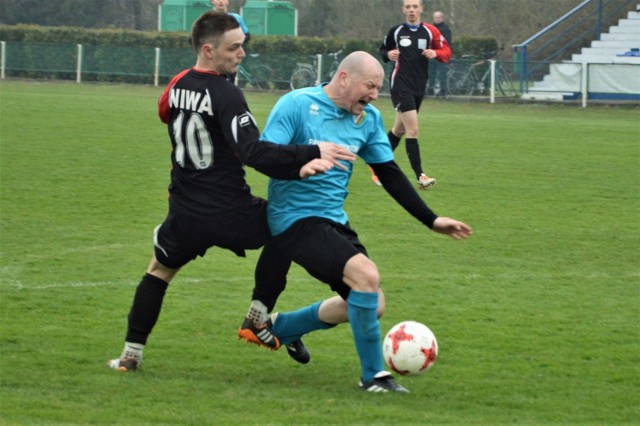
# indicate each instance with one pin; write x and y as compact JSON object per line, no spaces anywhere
{"x":310,"y":226}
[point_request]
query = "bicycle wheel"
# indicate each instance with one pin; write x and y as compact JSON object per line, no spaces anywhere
{"x":459,"y":83}
{"x":261,"y":77}
{"x":504,"y":84}
{"x":302,"y":77}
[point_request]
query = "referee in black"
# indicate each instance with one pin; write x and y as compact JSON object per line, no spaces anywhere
{"x":411,"y":45}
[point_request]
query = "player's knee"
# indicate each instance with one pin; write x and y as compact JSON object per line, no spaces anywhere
{"x":412,"y":133}
{"x":370,"y":281}
{"x":361,"y":274}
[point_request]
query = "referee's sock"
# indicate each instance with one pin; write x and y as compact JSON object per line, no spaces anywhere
{"x":291,"y":326}
{"x":362,"y":308}
{"x":413,"y":152}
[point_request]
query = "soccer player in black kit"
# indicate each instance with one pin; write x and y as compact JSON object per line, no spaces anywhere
{"x":213,"y":134}
{"x":411,"y":45}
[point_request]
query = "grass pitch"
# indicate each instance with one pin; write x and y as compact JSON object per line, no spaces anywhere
{"x":537,"y":315}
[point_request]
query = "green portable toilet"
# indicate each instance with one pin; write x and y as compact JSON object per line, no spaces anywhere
{"x":179,"y":15}
{"x":270,"y":17}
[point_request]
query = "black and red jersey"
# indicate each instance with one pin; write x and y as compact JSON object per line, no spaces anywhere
{"x":411,"y":71}
{"x":213,"y":135}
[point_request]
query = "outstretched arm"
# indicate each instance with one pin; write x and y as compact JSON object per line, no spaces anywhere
{"x":293,"y":161}
{"x":398,"y":186}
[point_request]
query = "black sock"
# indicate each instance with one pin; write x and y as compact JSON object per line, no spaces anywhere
{"x":413,"y":152}
{"x":145,"y":310}
{"x":394,"y":140}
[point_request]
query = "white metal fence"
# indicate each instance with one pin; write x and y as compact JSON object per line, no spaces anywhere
{"x":488,"y":79}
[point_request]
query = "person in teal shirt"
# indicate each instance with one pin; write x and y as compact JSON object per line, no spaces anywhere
{"x":223,"y":6}
{"x":310,"y":226}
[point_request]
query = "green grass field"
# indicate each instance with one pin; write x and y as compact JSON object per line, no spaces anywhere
{"x":537,"y":315}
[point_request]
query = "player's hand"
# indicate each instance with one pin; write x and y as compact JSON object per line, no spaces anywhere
{"x":333,"y":152}
{"x":393,"y":55}
{"x":453,"y":228}
{"x":315,"y":166}
{"x":429,"y":53}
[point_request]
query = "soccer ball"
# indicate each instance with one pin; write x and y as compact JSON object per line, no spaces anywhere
{"x":410,"y":348}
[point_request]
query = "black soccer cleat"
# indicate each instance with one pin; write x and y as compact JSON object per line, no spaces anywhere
{"x":296,"y":350}
{"x":382,"y":382}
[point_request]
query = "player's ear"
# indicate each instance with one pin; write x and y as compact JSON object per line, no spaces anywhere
{"x":208,"y":51}
{"x":343,"y":77}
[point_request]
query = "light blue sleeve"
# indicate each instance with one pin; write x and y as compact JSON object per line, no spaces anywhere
{"x":282,"y":125}
{"x":243,"y":26}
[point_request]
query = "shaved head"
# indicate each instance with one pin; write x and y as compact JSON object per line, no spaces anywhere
{"x":360,"y":63}
{"x":356,"y":83}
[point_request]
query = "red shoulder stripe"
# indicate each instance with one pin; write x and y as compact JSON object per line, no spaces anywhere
{"x":163,"y":101}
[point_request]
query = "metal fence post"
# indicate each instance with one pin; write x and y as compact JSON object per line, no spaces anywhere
{"x":79,"y":65}
{"x":156,"y":71}
{"x":524,"y":70}
{"x":2,"y":58}
{"x":492,"y":90}
{"x":319,"y":70}
{"x":585,"y":86}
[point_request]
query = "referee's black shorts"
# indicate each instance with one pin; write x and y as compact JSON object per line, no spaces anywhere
{"x":322,"y":247}
{"x":182,"y":238}
{"x":403,"y":100}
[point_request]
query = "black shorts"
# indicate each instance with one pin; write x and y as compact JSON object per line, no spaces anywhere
{"x":322,"y":247}
{"x":182,"y":238}
{"x":404,"y":100}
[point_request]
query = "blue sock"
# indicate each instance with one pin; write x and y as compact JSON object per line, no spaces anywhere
{"x":362,"y":309}
{"x":291,"y":326}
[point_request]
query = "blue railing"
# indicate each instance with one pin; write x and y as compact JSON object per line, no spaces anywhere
{"x":570,"y":31}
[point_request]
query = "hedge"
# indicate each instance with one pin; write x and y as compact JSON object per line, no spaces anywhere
{"x":132,"y":61}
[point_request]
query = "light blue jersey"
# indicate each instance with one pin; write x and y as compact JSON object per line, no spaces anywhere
{"x":308,"y":116}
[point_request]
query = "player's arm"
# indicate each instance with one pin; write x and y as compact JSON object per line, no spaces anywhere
{"x":274,"y":160}
{"x":283,"y":161}
{"x":398,"y":186}
{"x":440,"y":45}
{"x":387,"y":46}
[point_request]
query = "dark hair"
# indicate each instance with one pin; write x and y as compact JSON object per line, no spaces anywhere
{"x":210,"y":27}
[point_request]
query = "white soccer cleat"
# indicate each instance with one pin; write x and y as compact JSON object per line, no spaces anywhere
{"x":124,"y":364}
{"x":425,"y":181}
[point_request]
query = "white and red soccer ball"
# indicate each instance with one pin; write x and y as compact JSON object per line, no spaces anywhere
{"x":410,"y":348}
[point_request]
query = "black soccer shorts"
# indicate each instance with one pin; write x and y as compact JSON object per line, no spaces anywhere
{"x":322,"y":247}
{"x":404,"y":100}
{"x":182,"y":238}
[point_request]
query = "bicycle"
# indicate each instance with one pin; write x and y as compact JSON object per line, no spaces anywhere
{"x":259,"y":77}
{"x":305,"y":74}
{"x":472,"y":80}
